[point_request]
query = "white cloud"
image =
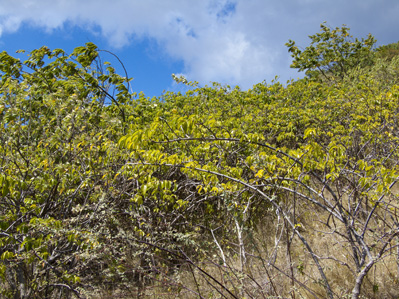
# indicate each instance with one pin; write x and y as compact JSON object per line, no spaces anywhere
{"x":229,"y":41}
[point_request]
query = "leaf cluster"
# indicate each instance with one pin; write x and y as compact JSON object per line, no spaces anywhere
{"x":332,"y":53}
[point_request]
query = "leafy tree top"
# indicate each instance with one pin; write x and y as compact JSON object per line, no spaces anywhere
{"x":331,"y":53}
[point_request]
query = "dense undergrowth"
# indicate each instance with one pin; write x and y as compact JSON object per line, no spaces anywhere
{"x":281,"y":190}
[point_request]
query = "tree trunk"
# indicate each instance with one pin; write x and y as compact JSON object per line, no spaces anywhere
{"x":359,"y":280}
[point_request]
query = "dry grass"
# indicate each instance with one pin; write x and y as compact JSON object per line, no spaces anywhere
{"x":277,"y":265}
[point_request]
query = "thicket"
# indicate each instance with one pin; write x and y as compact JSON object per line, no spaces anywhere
{"x":281,"y":190}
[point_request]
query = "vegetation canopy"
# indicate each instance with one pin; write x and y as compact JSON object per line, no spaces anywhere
{"x":332,"y":53}
{"x":278,"y":191}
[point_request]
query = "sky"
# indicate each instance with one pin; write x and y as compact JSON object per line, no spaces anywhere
{"x":233,"y":42}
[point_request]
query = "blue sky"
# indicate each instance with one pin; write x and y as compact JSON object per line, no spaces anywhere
{"x":235,"y":42}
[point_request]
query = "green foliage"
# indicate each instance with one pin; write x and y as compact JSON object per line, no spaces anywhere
{"x":57,"y":152}
{"x":106,"y":191}
{"x":331,"y":53}
{"x":332,"y":146}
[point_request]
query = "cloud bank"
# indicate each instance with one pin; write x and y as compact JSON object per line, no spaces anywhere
{"x":229,"y":41}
